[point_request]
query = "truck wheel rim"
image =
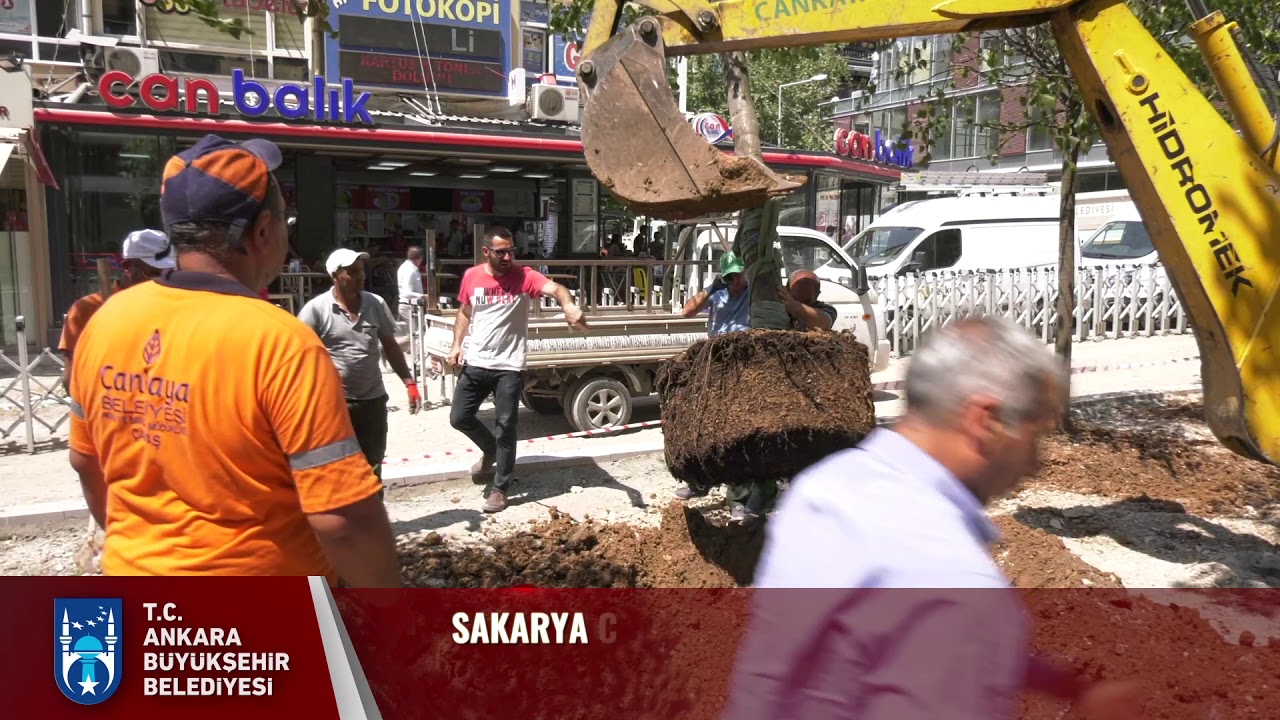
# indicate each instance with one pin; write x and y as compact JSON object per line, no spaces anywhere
{"x":604,"y":408}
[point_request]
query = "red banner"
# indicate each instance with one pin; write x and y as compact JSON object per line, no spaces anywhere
{"x":283,"y":648}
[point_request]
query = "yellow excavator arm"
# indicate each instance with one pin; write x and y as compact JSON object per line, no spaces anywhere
{"x":1209,"y":197}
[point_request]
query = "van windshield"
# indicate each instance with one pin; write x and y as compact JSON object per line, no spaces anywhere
{"x":1120,"y":240}
{"x":877,"y":246}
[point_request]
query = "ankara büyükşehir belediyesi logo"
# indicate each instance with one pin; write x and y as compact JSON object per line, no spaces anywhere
{"x":87,"y":634}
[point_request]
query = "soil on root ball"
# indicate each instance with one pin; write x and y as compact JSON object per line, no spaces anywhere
{"x":763,"y":404}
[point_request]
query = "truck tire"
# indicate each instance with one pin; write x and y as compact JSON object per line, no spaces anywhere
{"x":541,"y":404}
{"x":598,"y":402}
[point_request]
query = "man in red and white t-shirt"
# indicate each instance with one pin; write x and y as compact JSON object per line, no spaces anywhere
{"x":495,"y":299}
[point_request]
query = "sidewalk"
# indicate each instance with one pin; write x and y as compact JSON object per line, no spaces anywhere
{"x":43,"y":486}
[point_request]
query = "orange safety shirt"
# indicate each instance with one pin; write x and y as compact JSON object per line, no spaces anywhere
{"x":219,"y":422}
{"x":78,"y":316}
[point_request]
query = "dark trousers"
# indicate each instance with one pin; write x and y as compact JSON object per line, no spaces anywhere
{"x":754,"y":495}
{"x":369,"y":418}
{"x":474,"y":387}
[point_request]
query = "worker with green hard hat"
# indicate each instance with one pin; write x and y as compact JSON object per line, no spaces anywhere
{"x":727,"y":298}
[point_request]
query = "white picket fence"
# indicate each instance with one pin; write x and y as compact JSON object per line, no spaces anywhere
{"x":1112,"y":302}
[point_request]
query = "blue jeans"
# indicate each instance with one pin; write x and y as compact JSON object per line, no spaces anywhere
{"x":475,"y":384}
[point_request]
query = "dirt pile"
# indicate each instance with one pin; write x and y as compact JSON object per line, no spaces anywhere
{"x":1035,"y":559}
{"x":685,"y":551}
{"x":763,"y":404}
{"x":1161,"y":449}
{"x":1186,"y":670}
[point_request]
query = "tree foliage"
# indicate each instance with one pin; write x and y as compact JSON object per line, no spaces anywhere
{"x":804,"y":124}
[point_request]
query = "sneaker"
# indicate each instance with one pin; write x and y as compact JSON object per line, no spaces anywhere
{"x":497,"y":502}
{"x":688,"y":492}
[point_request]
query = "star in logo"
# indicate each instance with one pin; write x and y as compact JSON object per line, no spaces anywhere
{"x":92,"y":623}
{"x":87,"y":687}
{"x":77,"y":626}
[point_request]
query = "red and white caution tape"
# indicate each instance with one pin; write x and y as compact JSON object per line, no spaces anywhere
{"x":891,"y":385}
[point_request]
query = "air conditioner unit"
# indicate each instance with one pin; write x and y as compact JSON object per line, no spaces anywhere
{"x":553,"y":102}
{"x":138,"y":62}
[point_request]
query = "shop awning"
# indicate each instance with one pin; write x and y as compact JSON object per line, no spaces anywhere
{"x":11,"y":140}
{"x":6,"y":151}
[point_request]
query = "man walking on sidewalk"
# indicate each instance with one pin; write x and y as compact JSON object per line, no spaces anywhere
{"x":494,"y":303}
{"x":352,"y":323}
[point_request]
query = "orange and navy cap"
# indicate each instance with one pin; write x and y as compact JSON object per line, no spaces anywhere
{"x":217,"y":180}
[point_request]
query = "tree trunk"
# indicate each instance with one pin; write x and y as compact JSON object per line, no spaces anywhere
{"x":742,"y":109}
{"x":762,"y":263}
{"x":1067,"y":267}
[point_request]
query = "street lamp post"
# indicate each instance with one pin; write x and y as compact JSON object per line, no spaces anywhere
{"x":816,"y":78}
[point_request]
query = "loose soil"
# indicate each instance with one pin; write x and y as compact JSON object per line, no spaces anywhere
{"x":1160,"y":449}
{"x":727,"y":417}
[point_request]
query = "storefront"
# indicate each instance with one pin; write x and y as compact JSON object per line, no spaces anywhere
{"x":379,"y":182}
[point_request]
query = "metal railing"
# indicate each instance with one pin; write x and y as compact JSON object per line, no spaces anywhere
{"x":1110,"y":302}
{"x":38,"y":397}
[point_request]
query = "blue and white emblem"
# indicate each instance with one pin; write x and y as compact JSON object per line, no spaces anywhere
{"x":87,"y":648}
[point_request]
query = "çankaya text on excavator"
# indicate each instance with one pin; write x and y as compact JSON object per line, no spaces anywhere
{"x":1209,"y":196}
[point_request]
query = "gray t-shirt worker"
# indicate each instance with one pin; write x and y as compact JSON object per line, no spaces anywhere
{"x":352,"y":324}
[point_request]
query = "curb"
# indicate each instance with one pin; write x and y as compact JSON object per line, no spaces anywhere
{"x":431,"y":474}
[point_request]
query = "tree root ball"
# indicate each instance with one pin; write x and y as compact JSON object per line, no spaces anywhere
{"x":763,"y":404}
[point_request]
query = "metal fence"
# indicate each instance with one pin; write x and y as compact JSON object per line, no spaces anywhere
{"x":1112,"y":302}
{"x":31,"y":392}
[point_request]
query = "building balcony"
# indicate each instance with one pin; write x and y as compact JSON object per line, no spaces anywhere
{"x":859,"y":55}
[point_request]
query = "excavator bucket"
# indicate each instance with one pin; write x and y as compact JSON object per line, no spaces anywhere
{"x":642,"y":149}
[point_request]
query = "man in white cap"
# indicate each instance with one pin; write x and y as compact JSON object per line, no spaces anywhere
{"x":146,"y":254}
{"x":352,"y":323}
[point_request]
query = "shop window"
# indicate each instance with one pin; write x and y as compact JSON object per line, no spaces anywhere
{"x":22,"y":22}
{"x":113,"y":188}
{"x":276,"y":41}
{"x":119,"y":18}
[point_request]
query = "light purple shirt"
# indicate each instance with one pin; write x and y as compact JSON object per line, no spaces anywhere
{"x":878,"y":598}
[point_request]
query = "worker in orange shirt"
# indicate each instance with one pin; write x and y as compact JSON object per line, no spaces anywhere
{"x":146,"y":254}
{"x":209,"y":429}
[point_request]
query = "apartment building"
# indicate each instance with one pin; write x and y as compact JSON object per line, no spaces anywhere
{"x":907,"y":71}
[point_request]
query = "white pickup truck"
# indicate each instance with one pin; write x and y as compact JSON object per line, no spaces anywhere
{"x":593,"y":377}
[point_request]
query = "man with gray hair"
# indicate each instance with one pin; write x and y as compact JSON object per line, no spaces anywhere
{"x":905,"y":511}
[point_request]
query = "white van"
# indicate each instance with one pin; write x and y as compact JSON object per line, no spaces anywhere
{"x":965,"y":233}
{"x":1121,"y":253}
{"x":843,"y":284}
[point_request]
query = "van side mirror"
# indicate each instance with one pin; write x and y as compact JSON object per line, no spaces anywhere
{"x":919,"y":258}
{"x":861,"y":284}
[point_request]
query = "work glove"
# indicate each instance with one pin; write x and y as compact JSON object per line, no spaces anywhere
{"x":415,"y":399}
{"x":716,"y":285}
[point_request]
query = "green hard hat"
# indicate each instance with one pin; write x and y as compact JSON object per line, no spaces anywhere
{"x":730,"y":263}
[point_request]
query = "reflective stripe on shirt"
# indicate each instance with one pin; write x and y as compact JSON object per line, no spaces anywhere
{"x":323,"y":455}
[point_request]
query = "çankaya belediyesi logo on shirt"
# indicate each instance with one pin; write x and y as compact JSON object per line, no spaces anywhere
{"x":494,"y":296}
{"x":87,"y":637}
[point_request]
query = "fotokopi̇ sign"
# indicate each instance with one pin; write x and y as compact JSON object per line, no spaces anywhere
{"x":165,"y":93}
{"x":459,"y":47}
